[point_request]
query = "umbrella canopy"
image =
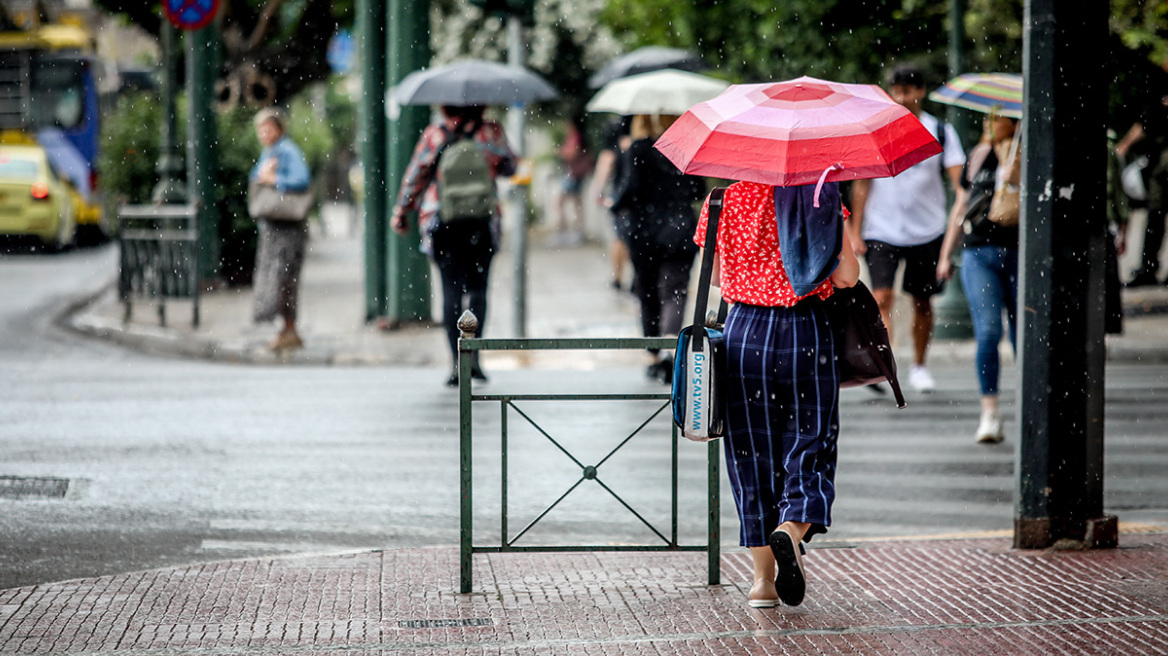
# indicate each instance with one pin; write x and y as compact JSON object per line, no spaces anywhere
{"x":798,"y":132}
{"x":996,"y":93}
{"x":660,"y":92}
{"x":644,"y":60}
{"x":471,"y":82}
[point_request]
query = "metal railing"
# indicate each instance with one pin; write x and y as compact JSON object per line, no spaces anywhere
{"x":159,"y":256}
{"x":468,"y":347}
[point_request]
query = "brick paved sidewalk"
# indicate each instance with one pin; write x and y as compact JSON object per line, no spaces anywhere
{"x":923,"y":597}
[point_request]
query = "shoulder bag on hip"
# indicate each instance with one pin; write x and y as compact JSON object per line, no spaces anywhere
{"x":267,"y":202}
{"x":700,"y":360}
{"x":1006,"y":206}
{"x":861,"y":340}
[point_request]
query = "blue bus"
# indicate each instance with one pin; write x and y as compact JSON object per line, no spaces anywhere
{"x":49,"y":97}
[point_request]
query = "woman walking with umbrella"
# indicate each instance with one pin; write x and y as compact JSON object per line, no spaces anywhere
{"x":989,"y":264}
{"x":989,"y":261}
{"x":462,"y":246}
{"x":781,"y":251}
{"x":658,"y":205}
{"x":458,"y":211}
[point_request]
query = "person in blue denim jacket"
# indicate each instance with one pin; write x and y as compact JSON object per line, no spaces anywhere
{"x":281,"y":243}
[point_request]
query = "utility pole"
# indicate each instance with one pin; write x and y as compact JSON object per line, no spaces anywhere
{"x":952,"y":307}
{"x":407,"y":271}
{"x":202,"y":137}
{"x":517,"y":126}
{"x":170,"y":187}
{"x":1060,"y":454}
{"x":371,"y":115}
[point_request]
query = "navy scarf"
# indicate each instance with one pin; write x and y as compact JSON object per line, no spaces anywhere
{"x":810,"y":237}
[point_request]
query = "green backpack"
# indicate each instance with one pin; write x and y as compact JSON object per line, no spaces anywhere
{"x":466,"y":188}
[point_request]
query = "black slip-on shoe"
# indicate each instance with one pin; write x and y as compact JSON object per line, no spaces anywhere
{"x":790,"y":580}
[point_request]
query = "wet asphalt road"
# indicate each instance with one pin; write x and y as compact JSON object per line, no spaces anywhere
{"x":170,"y":461}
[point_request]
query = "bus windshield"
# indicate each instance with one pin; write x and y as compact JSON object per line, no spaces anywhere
{"x":57,"y":95}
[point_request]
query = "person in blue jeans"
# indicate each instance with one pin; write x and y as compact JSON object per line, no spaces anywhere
{"x":989,"y":266}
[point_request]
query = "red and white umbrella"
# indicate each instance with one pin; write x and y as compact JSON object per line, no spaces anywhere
{"x":798,"y":132}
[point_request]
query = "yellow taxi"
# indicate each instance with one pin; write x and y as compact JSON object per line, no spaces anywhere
{"x":33,"y":201}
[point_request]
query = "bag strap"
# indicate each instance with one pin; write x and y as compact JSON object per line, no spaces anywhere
{"x":453,"y":136}
{"x":1011,"y":159}
{"x":707,"y":270}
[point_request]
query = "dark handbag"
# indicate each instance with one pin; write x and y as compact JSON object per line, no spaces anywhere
{"x":267,"y":202}
{"x":862,"y":348}
{"x":699,"y":363}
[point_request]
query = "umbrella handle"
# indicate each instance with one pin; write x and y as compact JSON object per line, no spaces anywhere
{"x":823,"y":178}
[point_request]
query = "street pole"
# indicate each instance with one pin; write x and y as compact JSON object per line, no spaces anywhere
{"x":170,"y":187}
{"x":517,"y":127}
{"x":1059,"y":477}
{"x":202,"y":136}
{"x":371,"y":116}
{"x":407,"y":270}
{"x":952,"y":307}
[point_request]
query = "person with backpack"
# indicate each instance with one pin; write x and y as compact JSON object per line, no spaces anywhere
{"x":903,"y":219}
{"x":450,"y":183}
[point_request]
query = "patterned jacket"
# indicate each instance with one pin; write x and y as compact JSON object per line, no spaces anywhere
{"x":419,"y":187}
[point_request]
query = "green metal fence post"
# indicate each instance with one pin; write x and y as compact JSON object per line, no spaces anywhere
{"x":714,"y":510}
{"x":467,"y":325}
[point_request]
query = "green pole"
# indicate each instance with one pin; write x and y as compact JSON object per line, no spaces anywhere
{"x":170,"y":187}
{"x":202,"y":156}
{"x":407,"y":270}
{"x":371,"y":116}
{"x":952,"y":308}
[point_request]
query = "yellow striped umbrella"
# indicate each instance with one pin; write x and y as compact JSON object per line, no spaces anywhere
{"x":990,"y":93}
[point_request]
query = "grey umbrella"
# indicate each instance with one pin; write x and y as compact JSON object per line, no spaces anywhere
{"x":644,"y":60}
{"x":471,"y":82}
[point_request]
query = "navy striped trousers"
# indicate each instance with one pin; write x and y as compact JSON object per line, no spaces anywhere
{"x":782,"y":404}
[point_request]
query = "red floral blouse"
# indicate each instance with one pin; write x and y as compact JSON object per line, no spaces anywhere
{"x":748,"y":245}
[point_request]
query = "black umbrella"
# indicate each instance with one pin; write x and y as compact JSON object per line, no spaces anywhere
{"x":644,"y":60}
{"x":471,"y":82}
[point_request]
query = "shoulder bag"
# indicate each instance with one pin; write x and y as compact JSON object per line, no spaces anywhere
{"x":699,"y":363}
{"x":862,"y":348}
{"x":267,"y":202}
{"x":1006,"y":206}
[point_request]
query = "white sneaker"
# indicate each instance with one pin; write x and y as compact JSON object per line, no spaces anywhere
{"x":920,"y":379}
{"x":989,"y":430}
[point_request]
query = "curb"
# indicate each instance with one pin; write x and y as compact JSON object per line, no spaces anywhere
{"x":79,"y":317}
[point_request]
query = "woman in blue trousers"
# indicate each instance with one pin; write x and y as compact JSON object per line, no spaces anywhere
{"x":989,"y":266}
{"x":782,"y":392}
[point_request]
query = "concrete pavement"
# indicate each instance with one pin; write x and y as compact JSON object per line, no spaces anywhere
{"x":923,"y":597}
{"x":972,"y":595}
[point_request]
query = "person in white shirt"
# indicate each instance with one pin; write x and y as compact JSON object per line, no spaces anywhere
{"x":903,"y":219}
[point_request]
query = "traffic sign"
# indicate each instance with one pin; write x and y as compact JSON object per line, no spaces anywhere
{"x":190,"y":14}
{"x":342,"y":52}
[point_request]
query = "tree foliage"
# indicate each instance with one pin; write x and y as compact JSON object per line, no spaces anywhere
{"x":755,"y":40}
{"x":272,"y":49}
{"x":566,"y":44}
